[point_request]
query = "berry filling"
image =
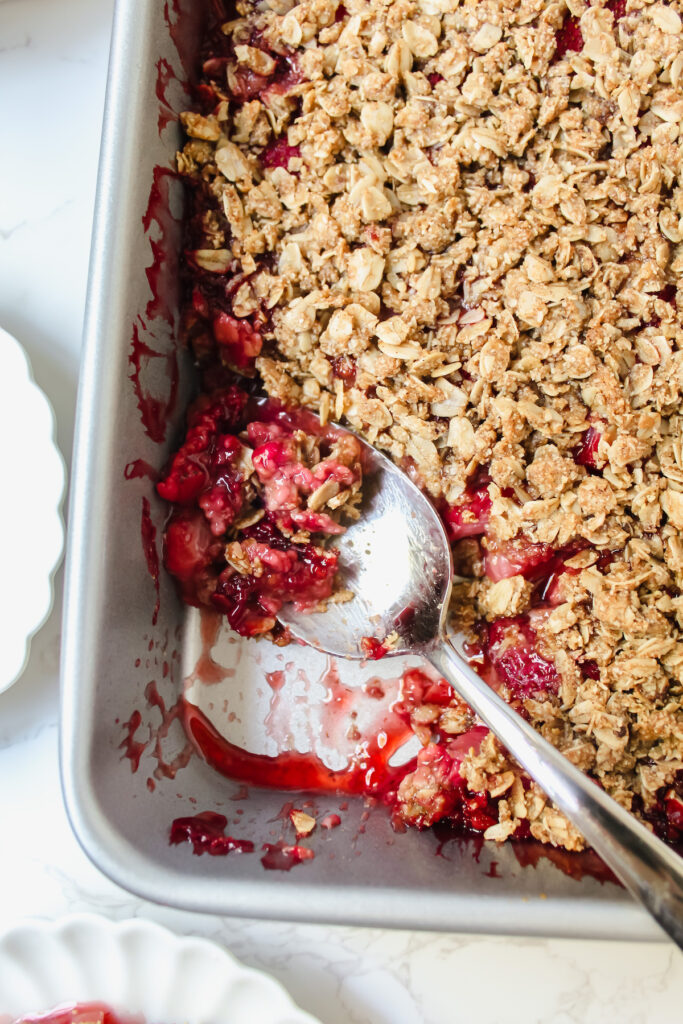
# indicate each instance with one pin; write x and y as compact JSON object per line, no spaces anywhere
{"x":374,"y":649}
{"x":435,"y":789}
{"x":78,"y":1013}
{"x":278,"y":154}
{"x":250,"y":487}
{"x":469,"y":518}
{"x":569,"y":38}
{"x":617,"y":7}
{"x":665,"y":813}
{"x":586,"y":452}
{"x":238,"y":338}
{"x":510,"y":648}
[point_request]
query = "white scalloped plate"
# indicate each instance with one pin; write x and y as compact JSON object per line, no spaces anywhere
{"x":135,"y":967}
{"x":31,"y":525}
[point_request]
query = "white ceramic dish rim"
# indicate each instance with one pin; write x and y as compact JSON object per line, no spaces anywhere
{"x":137,"y":967}
{"x":40,"y":560}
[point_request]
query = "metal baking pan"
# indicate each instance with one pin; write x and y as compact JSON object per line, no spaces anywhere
{"x":117,"y":665}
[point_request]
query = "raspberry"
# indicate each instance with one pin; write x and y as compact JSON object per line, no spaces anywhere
{"x":673,"y":806}
{"x":221,"y":506}
{"x":666,"y":814}
{"x":372,"y":648}
{"x":518,"y":557}
{"x":248,"y":85}
{"x":478,"y":813}
{"x":586,"y":453}
{"x":192,"y":466}
{"x":511,"y":649}
{"x":618,"y":8}
{"x":470,"y":516}
{"x":279,"y":153}
{"x":417,"y":688}
{"x":568,"y":38}
{"x":189,"y":548}
{"x":526,"y":672}
{"x":268,"y":458}
{"x":238,"y":337}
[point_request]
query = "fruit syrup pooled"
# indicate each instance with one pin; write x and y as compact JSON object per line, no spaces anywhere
{"x":464,"y":817}
{"x":455,"y":812}
{"x":369,"y":772}
{"x":150,"y":731}
{"x":206,"y":832}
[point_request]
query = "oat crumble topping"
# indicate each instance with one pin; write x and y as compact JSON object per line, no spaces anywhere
{"x":457,"y":227}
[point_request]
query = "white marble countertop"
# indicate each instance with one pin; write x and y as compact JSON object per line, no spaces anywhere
{"x":53,"y":57}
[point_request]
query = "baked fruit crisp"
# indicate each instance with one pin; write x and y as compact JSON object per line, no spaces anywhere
{"x":457,"y":227}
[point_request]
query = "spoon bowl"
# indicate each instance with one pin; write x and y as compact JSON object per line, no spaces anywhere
{"x":396,"y":560}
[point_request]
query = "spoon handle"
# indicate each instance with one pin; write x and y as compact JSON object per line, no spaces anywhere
{"x":649,"y":869}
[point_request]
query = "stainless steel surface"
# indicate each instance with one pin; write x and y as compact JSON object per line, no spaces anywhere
{"x":393,"y":559}
{"x":398,"y":557}
{"x":110,"y":646}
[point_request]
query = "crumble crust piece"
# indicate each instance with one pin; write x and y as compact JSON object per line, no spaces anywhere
{"x":457,"y":227}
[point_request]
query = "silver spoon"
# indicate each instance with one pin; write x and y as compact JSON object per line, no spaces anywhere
{"x":397,"y":561}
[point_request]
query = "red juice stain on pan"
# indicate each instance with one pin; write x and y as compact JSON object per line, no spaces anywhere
{"x":585,"y":864}
{"x":207,"y":671}
{"x":369,"y":772}
{"x":154,"y":409}
{"x":186,"y":20}
{"x":154,"y":698}
{"x":165,"y":75}
{"x":148,"y":534}
{"x":139,"y":470}
{"x":276,"y":724}
{"x":527,"y":852}
{"x":206,"y":832}
{"x":166,"y":769}
{"x":162,"y":274}
{"x":133,"y":749}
